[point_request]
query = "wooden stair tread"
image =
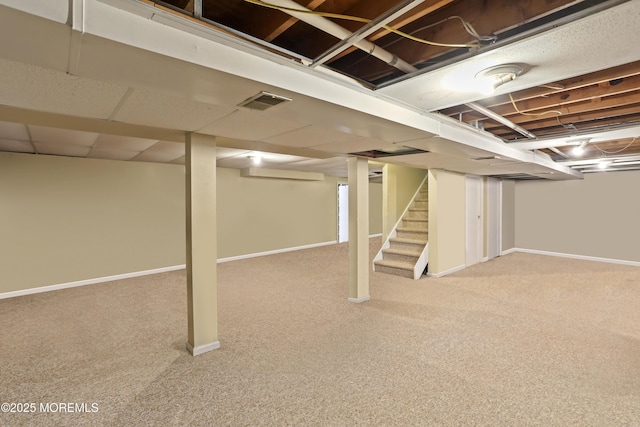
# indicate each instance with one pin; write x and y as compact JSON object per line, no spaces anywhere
{"x":395,"y":264}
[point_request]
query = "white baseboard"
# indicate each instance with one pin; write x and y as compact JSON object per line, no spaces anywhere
{"x":508,"y":251}
{"x":359,"y":300}
{"x":371,"y":236}
{"x":444,"y":273}
{"x":277,"y":251}
{"x":201,"y":349}
{"x":89,"y":282}
{"x":573,"y":256}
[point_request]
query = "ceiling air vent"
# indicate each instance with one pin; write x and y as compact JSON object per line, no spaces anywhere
{"x":263,"y":100}
{"x":396,"y":150}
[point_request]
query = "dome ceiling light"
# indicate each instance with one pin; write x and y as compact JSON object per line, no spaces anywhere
{"x":488,"y":80}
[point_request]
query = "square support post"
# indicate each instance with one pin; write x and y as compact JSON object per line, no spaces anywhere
{"x":358,"y":229}
{"x":202,"y":282}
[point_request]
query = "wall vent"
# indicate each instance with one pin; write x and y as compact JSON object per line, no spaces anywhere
{"x":263,"y":100}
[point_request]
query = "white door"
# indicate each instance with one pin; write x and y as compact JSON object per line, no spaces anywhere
{"x":474,"y":229}
{"x":343,"y":213}
{"x":494,"y":217}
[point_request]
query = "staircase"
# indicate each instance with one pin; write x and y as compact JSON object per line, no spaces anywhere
{"x":405,"y":253}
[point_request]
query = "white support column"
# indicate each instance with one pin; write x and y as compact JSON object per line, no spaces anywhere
{"x":202,"y":284}
{"x":358,"y":230}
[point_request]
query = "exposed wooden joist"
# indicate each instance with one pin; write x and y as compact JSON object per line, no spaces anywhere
{"x":312,"y":5}
{"x":486,"y":16}
{"x":608,"y":107}
{"x":621,"y":72}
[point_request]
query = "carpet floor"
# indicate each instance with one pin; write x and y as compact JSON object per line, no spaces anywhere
{"x":521,"y":340}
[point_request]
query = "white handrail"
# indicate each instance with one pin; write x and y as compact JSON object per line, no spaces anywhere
{"x":393,"y":232}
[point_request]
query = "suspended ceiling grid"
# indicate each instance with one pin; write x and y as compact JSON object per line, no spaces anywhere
{"x":491,"y":19}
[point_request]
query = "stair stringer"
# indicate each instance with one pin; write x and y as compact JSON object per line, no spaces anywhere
{"x":422,"y":262}
{"x":393,"y":233}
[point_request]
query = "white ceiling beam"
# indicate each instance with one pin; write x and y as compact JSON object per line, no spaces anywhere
{"x":576,"y":139}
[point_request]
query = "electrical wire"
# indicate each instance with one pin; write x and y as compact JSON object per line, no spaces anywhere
{"x":513,"y":102}
{"x":615,"y":152}
{"x":465,"y":24}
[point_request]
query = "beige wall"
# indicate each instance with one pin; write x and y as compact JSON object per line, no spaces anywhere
{"x":508,"y":214}
{"x":447,"y":202}
{"x":597,"y":216}
{"x":264,"y":214}
{"x":375,"y":208}
{"x":399,"y":184}
{"x":67,"y":219}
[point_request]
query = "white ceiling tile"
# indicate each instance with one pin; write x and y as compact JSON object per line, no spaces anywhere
{"x":16,"y":131}
{"x":167,"y":147}
{"x":15,"y":146}
{"x":157,"y":157}
{"x":310,"y":136}
{"x":268,"y":159}
{"x":251,"y":125}
{"x":62,"y":136}
{"x":61,"y":149}
{"x":224,"y":152}
{"x":162,"y":151}
{"x":165,"y":111}
{"x":36,"y":88}
{"x":117,"y":142}
{"x":112,"y":154}
{"x":351,"y":146}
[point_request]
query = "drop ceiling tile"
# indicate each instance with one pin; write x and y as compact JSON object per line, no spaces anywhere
{"x":15,"y":146}
{"x":352,"y":146}
{"x":112,"y":154}
{"x":61,"y":149}
{"x":224,"y":152}
{"x":165,"y":111}
{"x":129,"y":143}
{"x":62,"y":136}
{"x":36,"y":88}
{"x":167,"y":147}
{"x":162,"y":152}
{"x":15,"y":131}
{"x":157,"y":157}
{"x":251,"y":125}
{"x":311,"y":136}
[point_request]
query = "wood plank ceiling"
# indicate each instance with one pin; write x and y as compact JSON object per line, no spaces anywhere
{"x":600,"y":100}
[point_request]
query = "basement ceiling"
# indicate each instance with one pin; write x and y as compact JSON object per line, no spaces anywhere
{"x":419,"y":34}
{"x":427,"y":35}
{"x":571,"y":110}
{"x":362,"y":77}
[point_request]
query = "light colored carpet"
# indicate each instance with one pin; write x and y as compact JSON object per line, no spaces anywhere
{"x":520,"y":340}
